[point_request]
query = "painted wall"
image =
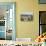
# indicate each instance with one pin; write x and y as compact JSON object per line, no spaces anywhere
{"x":42,"y":7}
{"x":27,"y":29}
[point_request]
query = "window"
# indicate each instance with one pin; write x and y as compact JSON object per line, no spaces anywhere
{"x":42,"y":1}
{"x":42,"y":22}
{"x":7,"y":21}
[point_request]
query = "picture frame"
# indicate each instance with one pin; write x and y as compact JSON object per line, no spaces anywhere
{"x":42,"y":1}
{"x":26,"y":17}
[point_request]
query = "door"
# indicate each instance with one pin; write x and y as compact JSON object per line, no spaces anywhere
{"x":7,"y":12}
{"x":42,"y":22}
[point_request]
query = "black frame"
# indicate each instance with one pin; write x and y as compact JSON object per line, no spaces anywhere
{"x":27,"y":18}
{"x":39,"y":24}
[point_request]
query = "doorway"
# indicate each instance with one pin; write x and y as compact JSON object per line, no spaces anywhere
{"x":42,"y":22}
{"x":7,"y":21}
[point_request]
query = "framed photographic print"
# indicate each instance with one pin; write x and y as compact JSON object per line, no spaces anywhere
{"x":42,"y":1}
{"x":26,"y":17}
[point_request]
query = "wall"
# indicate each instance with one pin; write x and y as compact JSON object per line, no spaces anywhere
{"x":42,"y":7}
{"x":27,"y":29}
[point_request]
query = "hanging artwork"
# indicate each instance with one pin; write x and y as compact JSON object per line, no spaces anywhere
{"x":26,"y":16}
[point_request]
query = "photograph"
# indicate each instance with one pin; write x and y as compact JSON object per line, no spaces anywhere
{"x":26,"y":18}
